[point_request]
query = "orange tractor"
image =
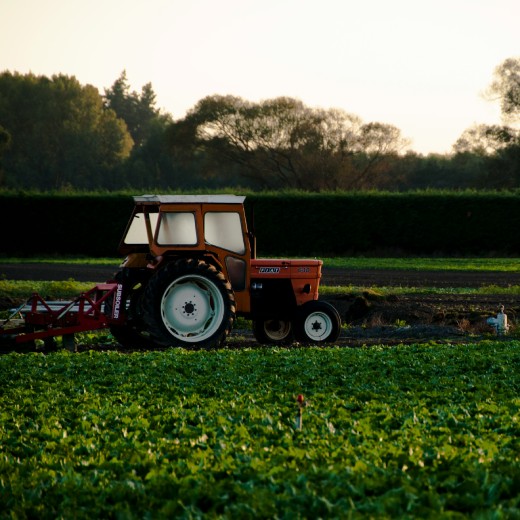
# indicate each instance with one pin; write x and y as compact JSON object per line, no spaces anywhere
{"x":190,"y":270}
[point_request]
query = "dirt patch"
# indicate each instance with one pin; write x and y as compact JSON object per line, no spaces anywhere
{"x":410,"y":318}
{"x":371,"y":318}
{"x":400,"y":278}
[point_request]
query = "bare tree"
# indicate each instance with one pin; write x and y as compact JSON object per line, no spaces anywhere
{"x":486,"y":139}
{"x":283,"y":143}
{"x":506,"y":88}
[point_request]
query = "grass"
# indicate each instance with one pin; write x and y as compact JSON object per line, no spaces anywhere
{"x":385,"y":291}
{"x":406,"y":264}
{"x":59,"y":260}
{"x":426,"y":264}
{"x":50,"y":290}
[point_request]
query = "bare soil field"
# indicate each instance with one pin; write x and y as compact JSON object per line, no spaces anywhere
{"x":371,"y":318}
{"x":417,"y":318}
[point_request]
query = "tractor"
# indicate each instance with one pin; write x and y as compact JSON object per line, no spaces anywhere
{"x":189,"y":270}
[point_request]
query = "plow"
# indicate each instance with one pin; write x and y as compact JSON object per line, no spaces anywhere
{"x":38,"y":319}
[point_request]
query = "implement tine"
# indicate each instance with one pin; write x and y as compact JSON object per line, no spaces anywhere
{"x":15,"y":312}
{"x":68,"y":307}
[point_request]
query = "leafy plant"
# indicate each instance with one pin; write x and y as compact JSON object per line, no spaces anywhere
{"x":53,"y":289}
{"x":408,"y":431}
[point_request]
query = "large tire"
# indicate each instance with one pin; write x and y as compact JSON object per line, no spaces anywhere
{"x":129,"y":335}
{"x":317,"y":322}
{"x":273,"y":332}
{"x":188,"y":303}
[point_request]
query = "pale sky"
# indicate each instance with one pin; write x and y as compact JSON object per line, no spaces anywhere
{"x":420,"y":65}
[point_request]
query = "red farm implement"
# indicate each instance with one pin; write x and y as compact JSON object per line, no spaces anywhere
{"x":37,"y":319}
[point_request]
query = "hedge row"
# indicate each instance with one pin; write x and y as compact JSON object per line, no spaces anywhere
{"x":386,"y":224}
{"x":285,"y":224}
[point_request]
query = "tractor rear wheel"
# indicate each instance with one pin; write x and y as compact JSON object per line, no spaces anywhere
{"x":273,"y":332}
{"x":188,"y":303}
{"x":317,"y":322}
{"x":129,"y":334}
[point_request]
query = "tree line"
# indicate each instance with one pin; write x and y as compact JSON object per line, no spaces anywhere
{"x":57,"y":134}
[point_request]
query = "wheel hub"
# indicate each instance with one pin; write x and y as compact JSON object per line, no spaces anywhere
{"x":316,"y":326}
{"x":277,"y":330}
{"x":189,"y":308}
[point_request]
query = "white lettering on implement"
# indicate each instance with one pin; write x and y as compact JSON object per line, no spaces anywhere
{"x":269,"y":269}
{"x":117,"y":301}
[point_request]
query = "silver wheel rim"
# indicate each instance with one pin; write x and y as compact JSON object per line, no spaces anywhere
{"x":318,"y":326}
{"x":192,"y":308}
{"x":277,"y":330}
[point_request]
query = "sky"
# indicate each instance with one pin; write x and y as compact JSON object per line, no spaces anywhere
{"x":420,"y":65}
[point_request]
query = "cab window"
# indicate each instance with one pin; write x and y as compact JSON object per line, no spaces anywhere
{"x":137,"y":231}
{"x":177,"y":228}
{"x":224,"y":229}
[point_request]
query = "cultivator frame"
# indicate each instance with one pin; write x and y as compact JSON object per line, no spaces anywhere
{"x":38,"y":319}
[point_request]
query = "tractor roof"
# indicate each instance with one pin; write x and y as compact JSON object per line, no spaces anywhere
{"x":189,"y":199}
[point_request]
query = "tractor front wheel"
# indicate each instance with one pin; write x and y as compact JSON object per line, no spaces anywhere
{"x":273,"y":332}
{"x":188,"y":303}
{"x":317,"y":322}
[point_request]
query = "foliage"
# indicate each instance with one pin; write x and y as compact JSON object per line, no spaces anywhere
{"x":411,"y":431}
{"x":5,"y":143}
{"x":150,"y":161}
{"x":287,"y":223}
{"x":499,"y":150}
{"x":498,"y":145}
{"x":5,"y":140}
{"x":282,"y":143}
{"x":68,"y":224}
{"x":387,"y":224}
{"x":61,"y":135}
{"x":58,"y":134}
{"x":51,"y":289}
{"x":136,"y":110}
{"x":506,"y":88}
{"x":487,"y":139}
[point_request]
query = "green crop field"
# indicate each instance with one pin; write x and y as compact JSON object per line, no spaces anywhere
{"x":428,"y":431}
{"x":348,"y":262}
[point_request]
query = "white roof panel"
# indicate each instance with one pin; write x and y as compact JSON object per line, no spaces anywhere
{"x":191,"y":199}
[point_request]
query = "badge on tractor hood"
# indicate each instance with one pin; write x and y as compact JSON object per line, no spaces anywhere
{"x":269,"y":270}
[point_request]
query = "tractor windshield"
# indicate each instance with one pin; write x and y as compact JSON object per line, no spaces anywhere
{"x":177,"y":228}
